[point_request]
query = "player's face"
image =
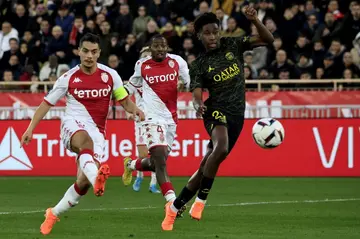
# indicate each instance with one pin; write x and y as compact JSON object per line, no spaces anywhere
{"x":210,"y":36}
{"x":89,"y":53}
{"x":159,"y":48}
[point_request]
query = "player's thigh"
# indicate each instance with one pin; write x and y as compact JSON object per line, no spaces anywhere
{"x":155,"y":135}
{"x":139,"y":135}
{"x":235,"y":126}
{"x":170,"y":135}
{"x":143,"y":151}
{"x":75,"y":135}
{"x":216,"y":125}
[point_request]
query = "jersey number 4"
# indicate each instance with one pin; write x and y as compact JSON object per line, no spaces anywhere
{"x":159,"y":129}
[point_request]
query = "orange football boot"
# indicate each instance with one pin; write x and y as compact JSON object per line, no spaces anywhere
{"x":103,"y":175}
{"x":48,"y":224}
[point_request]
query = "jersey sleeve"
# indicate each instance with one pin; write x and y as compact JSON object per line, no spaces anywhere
{"x":244,"y":43}
{"x":196,"y":77}
{"x":135,"y":81}
{"x":119,"y":90}
{"x":184,"y":72}
{"x":58,"y":91}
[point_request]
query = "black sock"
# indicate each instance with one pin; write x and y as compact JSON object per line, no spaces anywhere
{"x":185,"y":196}
{"x":205,"y":187}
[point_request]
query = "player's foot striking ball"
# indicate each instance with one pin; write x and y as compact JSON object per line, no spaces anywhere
{"x":220,"y":70}
{"x":83,"y":126}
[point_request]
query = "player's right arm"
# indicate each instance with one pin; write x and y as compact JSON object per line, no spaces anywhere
{"x":196,"y":87}
{"x":59,"y":90}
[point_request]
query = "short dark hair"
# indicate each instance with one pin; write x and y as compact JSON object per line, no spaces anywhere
{"x":13,"y":39}
{"x":204,"y":19}
{"x":156,"y":37}
{"x":90,"y":38}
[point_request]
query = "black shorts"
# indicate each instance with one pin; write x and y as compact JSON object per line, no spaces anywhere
{"x":233,"y":123}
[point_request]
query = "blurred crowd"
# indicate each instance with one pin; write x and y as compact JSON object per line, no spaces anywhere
{"x":314,"y":39}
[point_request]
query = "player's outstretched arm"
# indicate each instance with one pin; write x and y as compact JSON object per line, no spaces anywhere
{"x":131,"y":108}
{"x":265,"y":36}
{"x":39,"y":115}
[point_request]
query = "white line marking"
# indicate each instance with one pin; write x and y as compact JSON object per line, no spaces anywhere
{"x":218,"y":205}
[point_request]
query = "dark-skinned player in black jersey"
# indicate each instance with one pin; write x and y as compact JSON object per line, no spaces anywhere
{"x":220,"y":70}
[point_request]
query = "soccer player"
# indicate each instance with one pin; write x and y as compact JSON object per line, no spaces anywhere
{"x":88,"y":89}
{"x":220,"y":70}
{"x":139,"y":132}
{"x":158,"y":75}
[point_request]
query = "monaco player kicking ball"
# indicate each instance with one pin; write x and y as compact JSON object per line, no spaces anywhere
{"x":158,"y":75}
{"x":88,"y":89}
{"x":136,"y":91}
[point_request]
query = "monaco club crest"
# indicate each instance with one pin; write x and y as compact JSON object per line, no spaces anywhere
{"x":104,"y":77}
{"x":171,"y":63}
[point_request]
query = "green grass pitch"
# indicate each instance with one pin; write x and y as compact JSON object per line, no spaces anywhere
{"x":288,"y":208}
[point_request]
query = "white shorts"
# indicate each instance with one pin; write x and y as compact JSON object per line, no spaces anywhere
{"x":159,"y":134}
{"x":139,"y":134}
{"x":70,"y":126}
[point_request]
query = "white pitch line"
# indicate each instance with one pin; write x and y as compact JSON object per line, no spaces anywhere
{"x":218,"y":205}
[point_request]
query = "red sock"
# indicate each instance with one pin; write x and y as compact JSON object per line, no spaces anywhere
{"x":138,"y":166}
{"x":79,"y":191}
{"x":166,"y":187}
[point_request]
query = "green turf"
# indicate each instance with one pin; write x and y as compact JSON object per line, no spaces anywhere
{"x":123,"y":217}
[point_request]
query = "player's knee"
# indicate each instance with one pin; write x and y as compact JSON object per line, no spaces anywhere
{"x":221,"y":151}
{"x":152,"y":164}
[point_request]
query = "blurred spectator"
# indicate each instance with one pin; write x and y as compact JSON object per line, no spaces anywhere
{"x":248,"y":60}
{"x":220,"y":14}
{"x":64,"y":20}
{"x":226,"y":5}
{"x":313,"y":38}
{"x":105,"y":41}
{"x":123,"y":23}
{"x":349,"y":64}
{"x":145,"y":37}
{"x":281,"y":64}
{"x":158,"y":10}
{"x":355,"y":51}
{"x":114,"y":63}
{"x":129,"y":54}
{"x":58,"y":45}
{"x":19,"y":19}
{"x":7,"y":32}
{"x":8,"y":77}
{"x":14,"y":50}
{"x":14,"y":66}
{"x":232,"y":29}
{"x":52,"y":67}
{"x":324,"y":31}
{"x":139,"y":24}
{"x":203,"y":7}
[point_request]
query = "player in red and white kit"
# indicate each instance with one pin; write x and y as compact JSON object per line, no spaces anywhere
{"x":158,"y":75}
{"x":88,"y":89}
{"x":136,"y":91}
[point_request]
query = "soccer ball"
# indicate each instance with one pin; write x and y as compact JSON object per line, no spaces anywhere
{"x":268,"y":133}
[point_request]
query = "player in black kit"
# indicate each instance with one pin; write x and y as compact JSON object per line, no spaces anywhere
{"x":220,"y":70}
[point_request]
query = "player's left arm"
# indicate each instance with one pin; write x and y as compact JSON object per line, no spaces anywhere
{"x":184,"y":72}
{"x":265,"y":37}
{"x":122,"y":96}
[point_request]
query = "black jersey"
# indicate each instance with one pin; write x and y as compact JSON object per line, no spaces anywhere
{"x":221,"y":71}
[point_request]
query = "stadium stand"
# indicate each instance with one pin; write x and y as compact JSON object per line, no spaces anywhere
{"x":316,"y":47}
{"x":317,"y":39}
